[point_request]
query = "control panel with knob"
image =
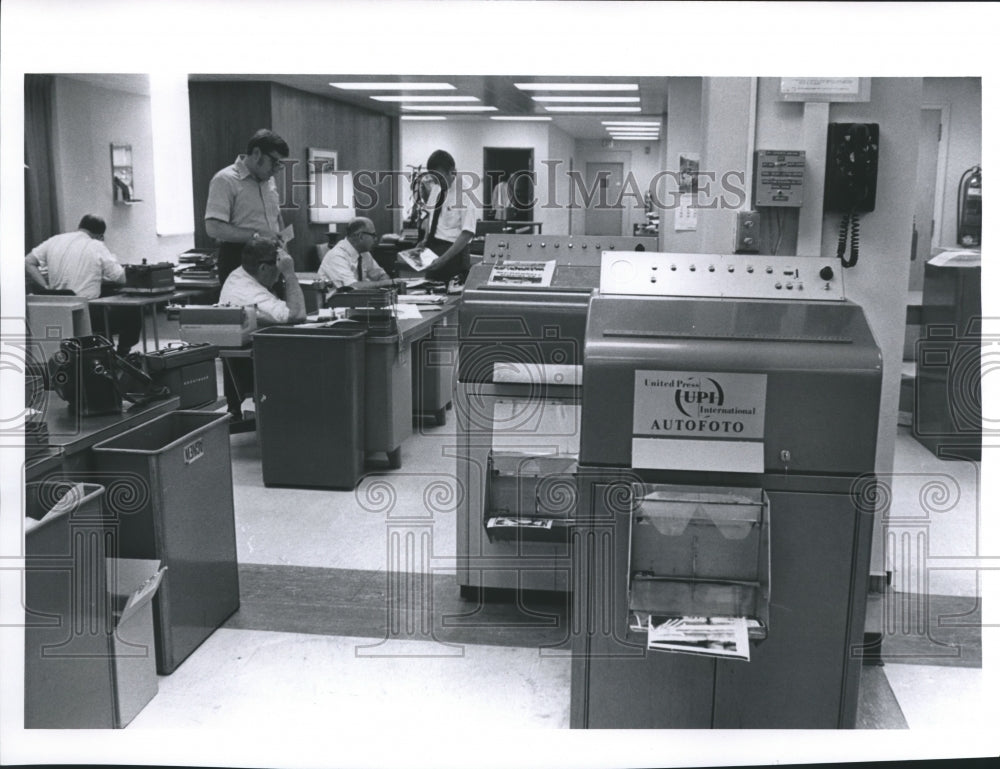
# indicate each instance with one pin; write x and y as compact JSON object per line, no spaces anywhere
{"x":743,"y":276}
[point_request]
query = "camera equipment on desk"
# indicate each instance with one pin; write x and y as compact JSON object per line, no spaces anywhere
{"x":187,"y":370}
{"x":149,"y":278}
{"x":93,"y":379}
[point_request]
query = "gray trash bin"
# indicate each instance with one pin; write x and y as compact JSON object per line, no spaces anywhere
{"x":176,"y":505}
{"x":310,"y":392}
{"x":67,"y":674}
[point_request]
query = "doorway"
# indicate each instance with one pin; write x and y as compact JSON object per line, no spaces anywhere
{"x":603,"y":215}
{"x":509,"y":185}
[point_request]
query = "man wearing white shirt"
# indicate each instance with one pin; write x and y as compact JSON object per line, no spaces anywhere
{"x":250,"y":284}
{"x":79,"y":261}
{"x":451,"y":222}
{"x":350,"y":263}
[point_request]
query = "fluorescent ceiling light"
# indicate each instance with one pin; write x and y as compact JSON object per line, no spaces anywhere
{"x":424,"y":98}
{"x":447,"y":108}
{"x":635,"y":138}
{"x":394,"y":86}
{"x":577,"y":86}
{"x":591,"y":99}
{"x":631,"y":123}
{"x":422,"y":117}
{"x":594,"y":109}
{"x":626,"y":128}
{"x":520,"y":117}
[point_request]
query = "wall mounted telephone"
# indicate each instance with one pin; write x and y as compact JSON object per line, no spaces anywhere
{"x":851,"y":175}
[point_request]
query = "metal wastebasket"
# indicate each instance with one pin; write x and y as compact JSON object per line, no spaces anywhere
{"x":310,"y":391}
{"x":67,"y":674}
{"x":175,"y":504}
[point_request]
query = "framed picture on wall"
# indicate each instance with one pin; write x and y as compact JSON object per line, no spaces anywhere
{"x":331,"y":190}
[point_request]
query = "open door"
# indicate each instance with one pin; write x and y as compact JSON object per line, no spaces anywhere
{"x":509,"y":183}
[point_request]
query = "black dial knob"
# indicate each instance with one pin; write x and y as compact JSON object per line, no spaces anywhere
{"x":826,"y":273}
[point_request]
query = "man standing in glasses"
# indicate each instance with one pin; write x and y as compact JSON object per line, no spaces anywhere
{"x":350,"y":263}
{"x":243,"y":200}
{"x":251,"y":284}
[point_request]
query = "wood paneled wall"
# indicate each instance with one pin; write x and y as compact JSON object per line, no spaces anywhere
{"x":223,"y":118}
{"x":225,"y":114}
{"x":363,"y":140}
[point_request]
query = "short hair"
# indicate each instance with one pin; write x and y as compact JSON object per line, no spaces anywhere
{"x":357,"y":224}
{"x":440,"y":161}
{"x":268,"y":141}
{"x":93,"y":224}
{"x":255,"y":252}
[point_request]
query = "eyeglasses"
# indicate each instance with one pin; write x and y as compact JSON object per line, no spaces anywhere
{"x":272,"y":262}
{"x":370,"y":234}
{"x":275,"y":160}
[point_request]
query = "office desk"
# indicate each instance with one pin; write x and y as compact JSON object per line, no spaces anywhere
{"x":71,"y":437}
{"x":433,"y":344}
{"x":390,"y":379}
{"x":141,"y":303}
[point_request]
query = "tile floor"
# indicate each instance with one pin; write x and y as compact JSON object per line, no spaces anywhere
{"x":334,"y":682}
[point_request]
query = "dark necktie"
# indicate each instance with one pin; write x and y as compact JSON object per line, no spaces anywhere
{"x":361,"y":270}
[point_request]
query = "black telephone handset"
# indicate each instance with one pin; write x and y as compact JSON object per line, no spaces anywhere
{"x":851,"y":175}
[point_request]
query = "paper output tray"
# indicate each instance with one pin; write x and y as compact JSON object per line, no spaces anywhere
{"x":530,"y":498}
{"x":700,"y":551}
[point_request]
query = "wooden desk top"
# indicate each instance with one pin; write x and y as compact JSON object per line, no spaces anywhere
{"x":142,"y":300}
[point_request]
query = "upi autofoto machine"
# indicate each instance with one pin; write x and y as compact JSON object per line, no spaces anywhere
{"x":727,"y":445}
{"x":517,"y":401}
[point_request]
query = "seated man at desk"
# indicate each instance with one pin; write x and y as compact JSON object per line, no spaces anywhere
{"x":79,"y":262}
{"x":251,"y":283}
{"x":350,"y":263}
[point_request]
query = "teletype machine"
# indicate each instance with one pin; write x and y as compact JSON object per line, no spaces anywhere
{"x":727,"y":446}
{"x":521,"y":328}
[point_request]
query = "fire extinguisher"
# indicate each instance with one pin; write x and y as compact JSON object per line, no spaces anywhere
{"x":970,"y":207}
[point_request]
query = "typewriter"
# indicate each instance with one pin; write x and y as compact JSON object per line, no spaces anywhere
{"x":149,"y":278}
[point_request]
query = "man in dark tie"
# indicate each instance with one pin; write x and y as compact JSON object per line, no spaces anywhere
{"x":350,"y":263}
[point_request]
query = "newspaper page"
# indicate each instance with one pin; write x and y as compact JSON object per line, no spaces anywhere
{"x":709,"y":636}
{"x":418,"y":261}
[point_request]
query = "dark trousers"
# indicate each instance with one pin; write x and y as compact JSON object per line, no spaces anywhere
{"x":126,"y":322}
{"x":456,"y":266}
{"x":237,"y":382}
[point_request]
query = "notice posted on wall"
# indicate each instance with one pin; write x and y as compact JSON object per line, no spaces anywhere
{"x":706,"y":636}
{"x":522,"y":274}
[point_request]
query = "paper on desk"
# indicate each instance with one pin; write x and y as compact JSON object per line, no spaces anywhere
{"x":407,"y":311}
{"x":287,"y":235}
{"x":418,"y":262}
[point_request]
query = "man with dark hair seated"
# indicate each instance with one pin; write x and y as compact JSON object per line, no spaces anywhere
{"x":251,"y":284}
{"x":79,"y":262}
{"x":243,"y":200}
